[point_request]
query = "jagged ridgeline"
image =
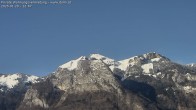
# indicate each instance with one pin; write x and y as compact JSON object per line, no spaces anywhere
{"x":144,"y":82}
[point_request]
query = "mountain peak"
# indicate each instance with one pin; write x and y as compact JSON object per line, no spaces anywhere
{"x":71,"y":65}
{"x":147,"y":58}
{"x":99,"y":57}
{"x":151,"y":55}
{"x":96,"y":55}
{"x":123,"y":64}
{"x":154,"y":56}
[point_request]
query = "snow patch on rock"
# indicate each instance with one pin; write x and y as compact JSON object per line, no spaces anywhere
{"x":33,"y":79}
{"x":10,"y":80}
{"x":146,"y":67}
{"x":155,"y":59}
{"x":124,"y":64}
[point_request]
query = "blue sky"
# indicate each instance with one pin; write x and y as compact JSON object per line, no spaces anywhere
{"x":39,"y":39}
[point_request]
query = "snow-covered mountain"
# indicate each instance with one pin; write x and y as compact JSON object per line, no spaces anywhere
{"x":144,"y":82}
{"x":13,"y":87}
{"x":11,"y":81}
{"x":147,"y":62}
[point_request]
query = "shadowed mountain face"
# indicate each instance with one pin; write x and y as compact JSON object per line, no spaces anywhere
{"x":145,"y":82}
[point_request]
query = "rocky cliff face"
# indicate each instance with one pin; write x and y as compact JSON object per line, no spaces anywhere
{"x":145,"y":82}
